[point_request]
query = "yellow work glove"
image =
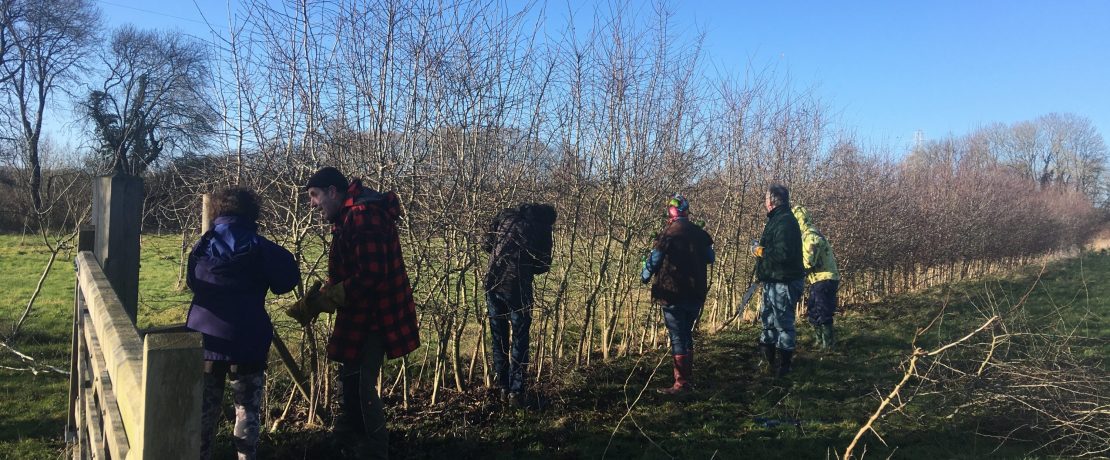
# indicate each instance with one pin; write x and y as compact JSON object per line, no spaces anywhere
{"x":301,"y":310}
{"x":757,"y":250}
{"x":327,"y":300}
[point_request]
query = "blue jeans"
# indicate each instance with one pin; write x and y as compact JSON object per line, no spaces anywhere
{"x":821,"y":303}
{"x":777,"y":313}
{"x":509,"y":363}
{"x":680,"y":319}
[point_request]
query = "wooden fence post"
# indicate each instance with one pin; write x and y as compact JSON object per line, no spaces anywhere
{"x":117,"y":215}
{"x":205,"y":213}
{"x":172,"y":387}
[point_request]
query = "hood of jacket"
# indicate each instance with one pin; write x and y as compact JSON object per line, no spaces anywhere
{"x":802,"y":215}
{"x":228,"y":256}
{"x":358,"y":195}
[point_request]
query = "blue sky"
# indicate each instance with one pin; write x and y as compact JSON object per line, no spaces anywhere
{"x":891,"y":68}
{"x":886,"y":69}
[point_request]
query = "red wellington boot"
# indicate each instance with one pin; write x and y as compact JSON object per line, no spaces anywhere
{"x":683,"y":367}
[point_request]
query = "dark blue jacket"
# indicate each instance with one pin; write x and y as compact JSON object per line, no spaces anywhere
{"x":230,"y":270}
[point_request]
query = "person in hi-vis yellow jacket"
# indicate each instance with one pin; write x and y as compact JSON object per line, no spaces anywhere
{"x":823,"y":278}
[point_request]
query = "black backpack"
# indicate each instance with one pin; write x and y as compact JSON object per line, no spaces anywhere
{"x":540,"y":218}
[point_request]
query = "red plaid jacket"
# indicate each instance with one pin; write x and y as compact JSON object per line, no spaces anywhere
{"x":365,"y":256}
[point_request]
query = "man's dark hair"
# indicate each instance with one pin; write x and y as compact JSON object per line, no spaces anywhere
{"x":241,"y":202}
{"x":780,"y":195}
{"x":328,"y":177}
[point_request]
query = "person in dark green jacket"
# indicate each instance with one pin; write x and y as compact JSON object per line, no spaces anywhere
{"x":779,"y":267}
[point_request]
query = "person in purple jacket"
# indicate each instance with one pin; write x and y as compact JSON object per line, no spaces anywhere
{"x":230,"y":270}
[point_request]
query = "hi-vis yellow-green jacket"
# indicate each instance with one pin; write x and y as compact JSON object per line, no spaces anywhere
{"x":817,"y":253}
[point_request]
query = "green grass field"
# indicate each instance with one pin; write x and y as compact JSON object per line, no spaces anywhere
{"x":738,"y":413}
{"x":602,"y":410}
{"x":32,"y":414}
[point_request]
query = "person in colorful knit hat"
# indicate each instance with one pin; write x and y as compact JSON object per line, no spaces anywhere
{"x":678,"y":261}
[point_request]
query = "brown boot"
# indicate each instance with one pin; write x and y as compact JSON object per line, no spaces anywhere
{"x":683,"y":368}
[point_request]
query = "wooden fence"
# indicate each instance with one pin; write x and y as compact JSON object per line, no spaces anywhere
{"x":132,"y":395}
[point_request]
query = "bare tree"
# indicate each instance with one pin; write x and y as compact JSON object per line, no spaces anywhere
{"x":153,"y":99}
{"x":45,"y":45}
{"x":1055,"y":150}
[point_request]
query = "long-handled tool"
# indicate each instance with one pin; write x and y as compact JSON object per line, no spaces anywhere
{"x":752,"y":284}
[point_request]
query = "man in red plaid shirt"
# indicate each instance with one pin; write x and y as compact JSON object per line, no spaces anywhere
{"x":369,"y":291}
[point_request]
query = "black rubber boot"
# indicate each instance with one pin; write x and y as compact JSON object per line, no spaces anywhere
{"x":768,"y":358}
{"x":829,"y":334}
{"x":350,"y":423}
{"x":818,"y":337}
{"x":785,"y":357}
{"x":501,"y":386}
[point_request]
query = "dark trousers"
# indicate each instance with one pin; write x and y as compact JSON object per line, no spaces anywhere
{"x":680,"y":319}
{"x":510,"y":362}
{"x":363,"y":418}
{"x":247,"y":381}
{"x":821,"y":304}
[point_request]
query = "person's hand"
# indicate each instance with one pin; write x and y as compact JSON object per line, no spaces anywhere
{"x":301,"y":310}
{"x":756,"y":249}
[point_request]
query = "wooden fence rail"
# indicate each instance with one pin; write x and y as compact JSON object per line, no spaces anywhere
{"x":134,"y":397}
